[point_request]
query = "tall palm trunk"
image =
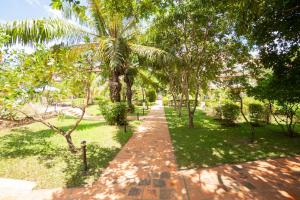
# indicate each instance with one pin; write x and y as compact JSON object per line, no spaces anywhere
{"x":115,"y":86}
{"x":129,"y":82}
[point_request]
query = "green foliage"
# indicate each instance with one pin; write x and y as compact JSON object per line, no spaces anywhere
{"x":114,"y":113}
{"x":41,"y":30}
{"x":282,"y":92}
{"x":165,"y":100}
{"x":131,"y":108}
{"x":151,"y":96}
{"x":218,"y":112}
{"x":28,"y":77}
{"x":273,"y":27}
{"x":256,"y":112}
{"x":230,"y":112}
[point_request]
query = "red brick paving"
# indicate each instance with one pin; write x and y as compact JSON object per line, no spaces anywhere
{"x":265,"y":179}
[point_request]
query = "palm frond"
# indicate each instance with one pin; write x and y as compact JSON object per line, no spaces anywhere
{"x":97,"y":13}
{"x":151,"y":53}
{"x":113,"y":51}
{"x":115,"y":26}
{"x":72,"y":11}
{"x":42,"y":30}
{"x":128,"y":28}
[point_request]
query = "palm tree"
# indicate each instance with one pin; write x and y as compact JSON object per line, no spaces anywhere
{"x":111,"y":36}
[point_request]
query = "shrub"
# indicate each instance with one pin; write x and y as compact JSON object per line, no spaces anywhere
{"x":218,"y":112}
{"x":230,"y":112}
{"x":256,"y":112}
{"x":114,"y":113}
{"x":151,"y":96}
{"x":131,"y":108}
{"x":165,"y":101}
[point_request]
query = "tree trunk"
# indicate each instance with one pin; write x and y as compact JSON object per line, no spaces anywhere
{"x":247,"y":121}
{"x":290,"y":129}
{"x":275,"y":118}
{"x":91,"y":97}
{"x":129,"y":82}
{"x":143,"y":94}
{"x":175,"y":101}
{"x":115,"y":86}
{"x":71,"y":145}
{"x":191,"y":120}
{"x":180,"y":106}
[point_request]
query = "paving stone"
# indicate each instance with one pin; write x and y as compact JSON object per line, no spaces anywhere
{"x":155,"y":175}
{"x":165,"y":175}
{"x":165,"y":193}
{"x":236,"y":168}
{"x":296,"y":173}
{"x":150,"y":193}
{"x":249,"y":185}
{"x":158,"y":183}
{"x":134,"y":191}
{"x":145,"y":182}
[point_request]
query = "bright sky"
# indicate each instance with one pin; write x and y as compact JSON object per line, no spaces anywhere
{"x":25,"y":9}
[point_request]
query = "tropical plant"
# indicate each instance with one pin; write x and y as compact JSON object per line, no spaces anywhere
{"x":112,"y":29}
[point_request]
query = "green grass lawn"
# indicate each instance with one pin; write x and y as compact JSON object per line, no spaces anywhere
{"x":139,"y":109}
{"x":211,"y":144}
{"x":35,"y":153}
{"x":93,"y":110}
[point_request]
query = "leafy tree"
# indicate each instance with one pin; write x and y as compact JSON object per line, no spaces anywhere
{"x":281,"y":94}
{"x":273,"y":27}
{"x":27,"y":80}
{"x":194,"y":32}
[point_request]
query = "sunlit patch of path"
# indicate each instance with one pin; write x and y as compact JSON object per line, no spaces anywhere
{"x":274,"y":179}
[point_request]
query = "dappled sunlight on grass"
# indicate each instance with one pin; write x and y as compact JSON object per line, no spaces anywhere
{"x":210,"y":143}
{"x":93,"y":110}
{"x":33,"y":152}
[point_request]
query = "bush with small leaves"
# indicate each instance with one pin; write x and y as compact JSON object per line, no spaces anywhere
{"x":114,"y":113}
{"x":151,"y":96}
{"x":230,"y":112}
